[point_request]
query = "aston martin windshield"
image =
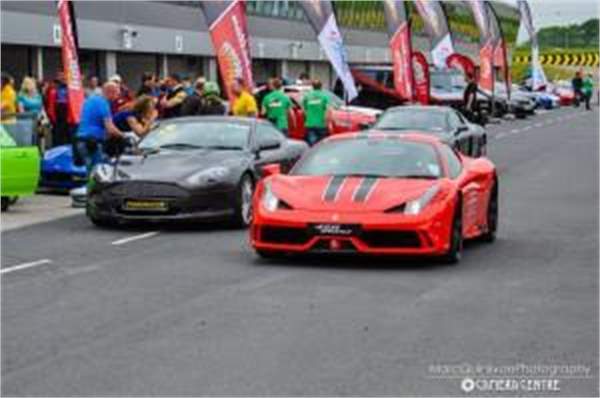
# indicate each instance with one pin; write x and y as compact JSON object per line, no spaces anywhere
{"x":371,"y":157}
{"x":197,"y":135}
{"x":412,"y":119}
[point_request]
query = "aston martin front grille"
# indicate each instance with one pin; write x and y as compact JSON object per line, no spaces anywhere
{"x":147,"y":190}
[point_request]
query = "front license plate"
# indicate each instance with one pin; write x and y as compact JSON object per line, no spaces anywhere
{"x":335,"y":229}
{"x":146,"y":205}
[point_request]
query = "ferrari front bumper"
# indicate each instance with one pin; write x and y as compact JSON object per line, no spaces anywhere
{"x":295,"y":231}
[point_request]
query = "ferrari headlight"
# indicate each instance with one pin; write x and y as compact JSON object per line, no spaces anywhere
{"x":269,"y":201}
{"x":103,"y":173}
{"x":209,"y":176}
{"x":415,"y":206}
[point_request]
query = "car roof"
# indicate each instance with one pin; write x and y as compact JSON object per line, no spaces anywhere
{"x":212,"y":118}
{"x":420,"y":107}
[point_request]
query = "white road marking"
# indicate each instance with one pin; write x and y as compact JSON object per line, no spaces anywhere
{"x":538,"y":125}
{"x":134,"y":238}
{"x":25,"y":266}
{"x":527,"y":128}
{"x":499,"y":135}
{"x":514,"y":131}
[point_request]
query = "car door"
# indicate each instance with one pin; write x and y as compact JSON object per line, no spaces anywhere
{"x":472,"y":186}
{"x":271,"y":147}
{"x":19,"y":159}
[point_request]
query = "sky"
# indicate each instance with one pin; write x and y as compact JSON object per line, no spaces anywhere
{"x":563,"y":12}
{"x":559,"y":12}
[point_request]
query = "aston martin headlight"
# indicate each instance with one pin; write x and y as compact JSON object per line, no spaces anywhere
{"x":269,"y":201}
{"x":209,"y":176}
{"x":103,"y":173}
{"x":415,"y":206}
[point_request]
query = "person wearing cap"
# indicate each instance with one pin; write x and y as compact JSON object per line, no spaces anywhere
{"x":124,"y":97}
{"x":204,"y":101}
{"x":171,"y":103}
{"x":213,"y":104}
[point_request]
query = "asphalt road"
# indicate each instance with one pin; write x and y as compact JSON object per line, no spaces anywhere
{"x":194,"y":312}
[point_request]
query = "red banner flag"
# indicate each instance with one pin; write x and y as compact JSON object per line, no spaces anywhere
{"x":70,"y":59}
{"x":229,"y":33}
{"x":486,"y":66}
{"x":421,"y":75}
{"x":462,"y":63}
{"x":401,"y":47}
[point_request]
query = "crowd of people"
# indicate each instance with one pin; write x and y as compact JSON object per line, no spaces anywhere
{"x":111,"y":109}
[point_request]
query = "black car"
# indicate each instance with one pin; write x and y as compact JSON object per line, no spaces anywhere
{"x":443,"y":121}
{"x":193,"y":168}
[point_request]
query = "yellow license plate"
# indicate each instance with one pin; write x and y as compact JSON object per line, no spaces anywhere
{"x":141,"y":205}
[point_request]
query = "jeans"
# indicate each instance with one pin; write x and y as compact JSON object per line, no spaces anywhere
{"x":315,"y":134}
{"x":92,"y":153}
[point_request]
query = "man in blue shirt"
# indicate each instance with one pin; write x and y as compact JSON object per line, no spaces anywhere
{"x":95,"y":126}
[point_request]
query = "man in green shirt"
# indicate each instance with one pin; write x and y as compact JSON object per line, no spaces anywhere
{"x":588,"y":90}
{"x":315,"y":104}
{"x":276,"y":105}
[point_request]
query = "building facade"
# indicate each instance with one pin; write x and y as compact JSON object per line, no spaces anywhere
{"x":132,"y":37}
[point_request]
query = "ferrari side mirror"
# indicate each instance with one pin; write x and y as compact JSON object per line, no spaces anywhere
{"x":271,"y":169}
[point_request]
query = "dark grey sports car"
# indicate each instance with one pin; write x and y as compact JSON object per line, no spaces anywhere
{"x":196,"y":168}
{"x":443,"y":121}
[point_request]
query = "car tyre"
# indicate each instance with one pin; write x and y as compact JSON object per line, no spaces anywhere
{"x":492,"y":216}
{"x":102,"y":222}
{"x":243,"y":205}
{"x":454,"y":253}
{"x":268,"y":255}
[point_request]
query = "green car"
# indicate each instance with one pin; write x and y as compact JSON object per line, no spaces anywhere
{"x":19,"y":160}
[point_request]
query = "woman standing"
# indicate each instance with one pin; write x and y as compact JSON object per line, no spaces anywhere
{"x":139,"y":120}
{"x":29,"y":99}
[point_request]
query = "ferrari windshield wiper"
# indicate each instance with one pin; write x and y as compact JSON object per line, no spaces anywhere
{"x":180,"y":145}
{"x":362,"y":175}
{"x":391,"y":128}
{"x":224,"y":147}
{"x":419,"y":176}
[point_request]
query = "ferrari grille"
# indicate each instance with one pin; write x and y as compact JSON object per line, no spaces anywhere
{"x":147,"y":190}
{"x":284,"y":235}
{"x":390,"y":239}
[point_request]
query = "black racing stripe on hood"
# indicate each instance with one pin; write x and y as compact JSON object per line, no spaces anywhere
{"x":332,"y":189}
{"x":364,"y":189}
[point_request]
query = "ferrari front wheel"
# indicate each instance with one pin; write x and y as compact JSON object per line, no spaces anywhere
{"x":492,"y":216}
{"x":454,"y":253}
{"x":268,"y":255}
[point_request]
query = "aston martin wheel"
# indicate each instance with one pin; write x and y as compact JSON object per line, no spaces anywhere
{"x":454,"y":253}
{"x":243,"y":209}
{"x":492,"y":216}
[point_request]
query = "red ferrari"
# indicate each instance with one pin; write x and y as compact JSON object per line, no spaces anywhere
{"x":376,"y":193}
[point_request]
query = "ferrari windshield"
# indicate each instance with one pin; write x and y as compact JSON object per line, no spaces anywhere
{"x":413,"y":119}
{"x":371,"y":156}
{"x":197,"y":135}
